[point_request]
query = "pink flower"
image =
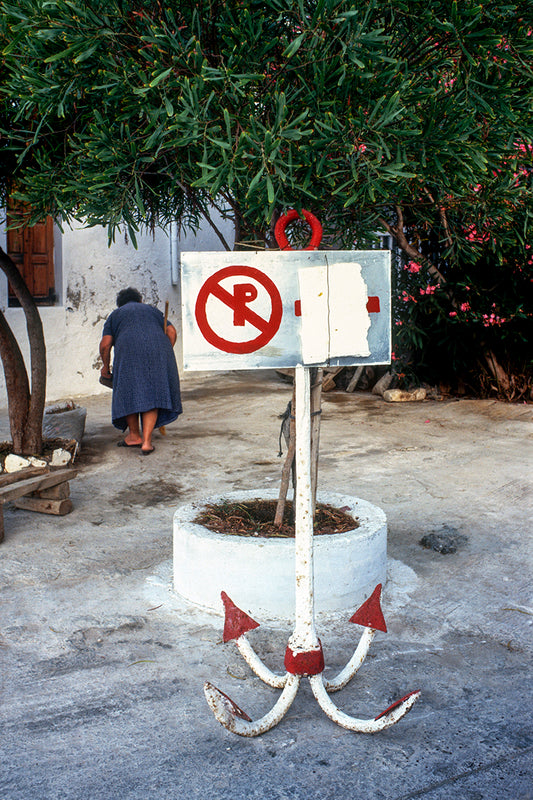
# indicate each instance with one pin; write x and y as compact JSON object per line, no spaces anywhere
{"x":452,"y":314}
{"x":492,"y":319}
{"x":430,"y":289}
{"x":473,"y":235}
{"x":406,"y":297}
{"x":413,"y":267}
{"x":465,"y":306}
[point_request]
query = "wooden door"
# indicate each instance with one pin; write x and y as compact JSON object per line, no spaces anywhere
{"x":32,"y":250}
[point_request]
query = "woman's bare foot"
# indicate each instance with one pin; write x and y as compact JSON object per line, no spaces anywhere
{"x":132,"y":441}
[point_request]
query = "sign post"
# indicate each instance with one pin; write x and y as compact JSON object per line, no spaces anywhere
{"x":248,"y":315}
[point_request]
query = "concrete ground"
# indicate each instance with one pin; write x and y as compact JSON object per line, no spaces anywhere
{"x":102,"y":666}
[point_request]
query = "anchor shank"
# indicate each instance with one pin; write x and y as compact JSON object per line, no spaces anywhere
{"x":304,"y":636}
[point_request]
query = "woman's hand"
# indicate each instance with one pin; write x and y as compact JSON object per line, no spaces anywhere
{"x":105,"y":352}
{"x":172,"y":334}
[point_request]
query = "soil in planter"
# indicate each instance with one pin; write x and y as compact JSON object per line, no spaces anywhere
{"x":256,"y":518}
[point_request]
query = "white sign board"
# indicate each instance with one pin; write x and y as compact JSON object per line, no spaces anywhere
{"x":274,"y":309}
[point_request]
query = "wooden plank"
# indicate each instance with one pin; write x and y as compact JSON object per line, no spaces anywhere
{"x":59,"y":492}
{"x":355,"y":379}
{"x":35,"y":484}
{"x":28,"y":472}
{"x":44,"y":506}
{"x":286,"y":373}
{"x":328,"y":382}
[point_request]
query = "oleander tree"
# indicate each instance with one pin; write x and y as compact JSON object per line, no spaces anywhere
{"x":382,"y":116}
{"x":25,"y":393}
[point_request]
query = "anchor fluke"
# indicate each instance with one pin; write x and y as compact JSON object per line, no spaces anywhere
{"x":234,"y":719}
{"x":370,"y":615}
{"x":236,"y":622}
{"x":222,"y":705}
{"x":405,"y":704}
{"x":384,"y":720}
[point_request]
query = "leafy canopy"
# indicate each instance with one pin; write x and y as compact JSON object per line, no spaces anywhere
{"x":119,"y":111}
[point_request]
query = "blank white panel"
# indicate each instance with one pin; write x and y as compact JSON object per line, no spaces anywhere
{"x":349,"y":320}
{"x":314,"y":324}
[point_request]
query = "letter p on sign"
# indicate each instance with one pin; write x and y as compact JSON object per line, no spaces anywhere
{"x":243,"y":293}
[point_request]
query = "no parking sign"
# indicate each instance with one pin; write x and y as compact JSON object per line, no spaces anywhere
{"x":273,"y":309}
{"x":246,"y":284}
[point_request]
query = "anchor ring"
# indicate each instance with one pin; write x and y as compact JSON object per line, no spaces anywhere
{"x":290,"y":216}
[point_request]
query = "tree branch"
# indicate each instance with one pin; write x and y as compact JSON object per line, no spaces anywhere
{"x":204,"y":213}
{"x":398,"y":233}
{"x":443,"y":218}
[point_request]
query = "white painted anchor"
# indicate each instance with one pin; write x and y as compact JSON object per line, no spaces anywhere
{"x":304,"y":656}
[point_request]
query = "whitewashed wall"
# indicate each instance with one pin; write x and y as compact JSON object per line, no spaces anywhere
{"x":88,"y":276}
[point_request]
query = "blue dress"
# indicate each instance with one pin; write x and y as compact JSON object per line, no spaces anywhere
{"x":145,"y":374}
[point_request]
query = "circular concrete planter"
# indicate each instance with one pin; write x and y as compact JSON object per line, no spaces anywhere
{"x":258,"y":573}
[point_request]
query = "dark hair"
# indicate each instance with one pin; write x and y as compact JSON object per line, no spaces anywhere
{"x":129,"y":295}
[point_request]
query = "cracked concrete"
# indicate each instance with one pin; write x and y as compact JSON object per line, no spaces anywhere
{"x":102,"y":665}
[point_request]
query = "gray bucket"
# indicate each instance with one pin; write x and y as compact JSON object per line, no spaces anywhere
{"x":62,"y":421}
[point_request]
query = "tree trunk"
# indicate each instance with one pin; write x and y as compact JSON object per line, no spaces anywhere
{"x":497,"y":371}
{"x":17,"y":385}
{"x":16,"y":376}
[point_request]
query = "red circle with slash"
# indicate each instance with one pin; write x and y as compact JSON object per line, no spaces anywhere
{"x":238,"y":303}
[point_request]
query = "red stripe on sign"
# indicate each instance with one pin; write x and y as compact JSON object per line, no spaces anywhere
{"x":373,"y":305}
{"x":297,"y":308}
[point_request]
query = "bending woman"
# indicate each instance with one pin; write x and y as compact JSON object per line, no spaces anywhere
{"x":145,"y":373}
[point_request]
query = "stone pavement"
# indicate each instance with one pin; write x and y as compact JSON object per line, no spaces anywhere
{"x":102,"y":665}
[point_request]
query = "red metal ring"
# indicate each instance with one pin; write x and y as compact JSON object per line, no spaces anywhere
{"x":290,"y":216}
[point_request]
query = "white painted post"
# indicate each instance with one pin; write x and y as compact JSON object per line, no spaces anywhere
{"x":174,"y":253}
{"x":304,"y":637}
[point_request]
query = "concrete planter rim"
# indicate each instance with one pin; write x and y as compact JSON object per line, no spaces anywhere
{"x":186,"y":514}
{"x":258,"y":572}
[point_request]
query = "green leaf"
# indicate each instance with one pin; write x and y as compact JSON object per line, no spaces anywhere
{"x":63,"y":54}
{"x":161,"y":77}
{"x":255,"y":180}
{"x":270,"y":190}
{"x":294,"y":46}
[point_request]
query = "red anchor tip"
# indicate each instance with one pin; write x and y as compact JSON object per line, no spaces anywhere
{"x":397,"y":703}
{"x":236,"y":622}
{"x":370,"y":615}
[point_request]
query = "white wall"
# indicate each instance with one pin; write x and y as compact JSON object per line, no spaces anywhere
{"x":90,"y":275}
